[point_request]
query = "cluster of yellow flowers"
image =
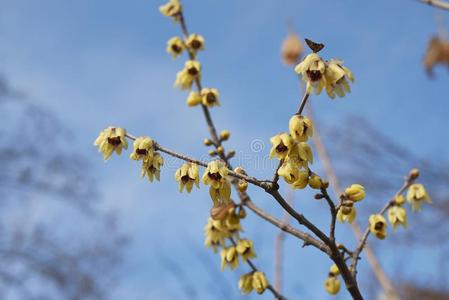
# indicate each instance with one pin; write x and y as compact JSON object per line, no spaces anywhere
{"x":397,"y":214}
{"x":220,"y":232}
{"x":114,"y":139}
{"x":191,"y":72}
{"x":295,"y":154}
{"x":332,"y":284}
{"x":347,"y":211}
{"x":320,"y":74}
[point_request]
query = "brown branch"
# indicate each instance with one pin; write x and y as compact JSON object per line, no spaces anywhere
{"x":436,"y":3}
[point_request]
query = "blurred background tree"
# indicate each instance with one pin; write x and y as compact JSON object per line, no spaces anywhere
{"x":46,"y":197}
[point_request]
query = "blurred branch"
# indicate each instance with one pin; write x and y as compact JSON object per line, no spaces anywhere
{"x":279,"y":250}
{"x":380,"y":274}
{"x":436,"y":3}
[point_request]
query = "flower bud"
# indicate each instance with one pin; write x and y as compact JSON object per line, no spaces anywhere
{"x":242,"y":185}
{"x":242,"y":213}
{"x":231,"y":154}
{"x":334,"y":270}
{"x":399,"y":199}
{"x":332,"y":285}
{"x":207,"y":142}
{"x":212,"y":153}
{"x":318,"y":196}
{"x":224,"y":135}
{"x":355,"y":192}
{"x":414,"y":173}
{"x":315,"y":182}
{"x":220,"y":150}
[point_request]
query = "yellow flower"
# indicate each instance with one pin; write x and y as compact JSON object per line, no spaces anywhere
{"x":232,"y":223}
{"x":171,"y":9}
{"x":210,"y":97}
{"x":245,"y":249}
{"x":215,"y":234}
{"x":378,"y":226}
{"x":143,"y":149}
{"x":312,"y":69}
{"x":337,"y":79}
{"x":301,"y":128}
{"x":282,"y":144}
{"x":332,"y":285}
{"x":416,"y":194}
{"x":185,"y":77}
{"x":349,"y":217}
{"x":334,"y":270}
{"x":221,"y":194}
{"x":301,"y":154}
{"x":260,"y":282}
{"x":302,"y":180}
{"x":111,"y":139}
{"x":195,"y":42}
{"x":246,"y":283}
{"x":355,"y":192}
{"x":229,"y":257}
{"x":399,"y":199}
{"x":194,"y":99}
{"x":215,"y":174}
{"x":289,"y":170}
{"x":152,"y":167}
{"x":397,"y":215}
{"x":175,"y":46}
{"x":186,"y":176}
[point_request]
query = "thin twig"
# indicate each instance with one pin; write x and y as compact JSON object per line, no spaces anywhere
{"x":407,"y":182}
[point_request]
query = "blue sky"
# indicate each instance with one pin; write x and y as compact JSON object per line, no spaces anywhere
{"x":98,"y":63}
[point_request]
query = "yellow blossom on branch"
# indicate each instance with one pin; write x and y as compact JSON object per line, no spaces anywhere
{"x":171,"y":9}
{"x":346,"y":214}
{"x":332,"y":285}
{"x":246,"y":283}
{"x":378,"y":226}
{"x":111,"y":139}
{"x":210,"y":97}
{"x":337,"y":77}
{"x":175,"y":46}
{"x":152,"y":167}
{"x":215,"y":234}
{"x":282,"y":144}
{"x":194,"y":99}
{"x":300,"y":127}
{"x":185,"y":77}
{"x":195,"y":42}
{"x":416,"y":195}
{"x":229,"y":257}
{"x":221,"y":194}
{"x":355,"y":192}
{"x":215,"y":174}
{"x":245,"y":249}
{"x":260,"y":282}
{"x":187,"y":176}
{"x":397,"y":216}
{"x":312,"y":69}
{"x":143,"y":149}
